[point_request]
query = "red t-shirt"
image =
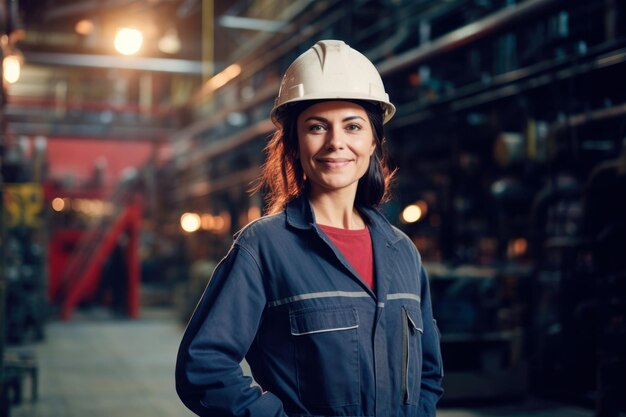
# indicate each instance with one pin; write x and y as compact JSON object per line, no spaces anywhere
{"x":356,"y":246}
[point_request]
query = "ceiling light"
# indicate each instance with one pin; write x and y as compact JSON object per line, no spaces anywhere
{"x":411,"y":213}
{"x":84,"y":27}
{"x":11,"y":68}
{"x":128,"y":41}
{"x":414,"y":212}
{"x":169,"y":43}
{"x":190,"y":222}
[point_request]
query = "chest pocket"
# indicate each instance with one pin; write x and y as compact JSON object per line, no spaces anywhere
{"x":413,"y":328}
{"x":327,"y":356}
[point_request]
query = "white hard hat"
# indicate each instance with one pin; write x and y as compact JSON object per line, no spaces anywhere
{"x":332,"y":70}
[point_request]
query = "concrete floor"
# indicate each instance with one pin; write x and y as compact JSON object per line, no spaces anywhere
{"x":97,"y":366}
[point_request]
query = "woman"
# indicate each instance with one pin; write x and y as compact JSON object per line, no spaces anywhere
{"x":327,"y":302}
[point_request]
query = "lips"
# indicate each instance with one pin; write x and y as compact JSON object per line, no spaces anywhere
{"x":334,"y":162}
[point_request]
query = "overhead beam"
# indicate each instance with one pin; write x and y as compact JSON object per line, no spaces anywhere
{"x":97,"y":131}
{"x":237,"y":22}
{"x":178,"y":66}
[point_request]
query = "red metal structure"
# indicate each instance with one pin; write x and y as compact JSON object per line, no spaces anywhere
{"x":80,"y":250}
{"x":83,"y":272}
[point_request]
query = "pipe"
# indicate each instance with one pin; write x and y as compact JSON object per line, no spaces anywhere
{"x":513,"y":83}
{"x":465,"y":34}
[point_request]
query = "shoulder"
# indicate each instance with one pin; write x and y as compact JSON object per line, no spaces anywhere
{"x":403,"y":238}
{"x":260,"y":229}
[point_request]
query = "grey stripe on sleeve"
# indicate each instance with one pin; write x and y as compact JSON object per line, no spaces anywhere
{"x":404,"y":296}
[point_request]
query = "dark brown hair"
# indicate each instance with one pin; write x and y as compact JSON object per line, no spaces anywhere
{"x":282,"y":178}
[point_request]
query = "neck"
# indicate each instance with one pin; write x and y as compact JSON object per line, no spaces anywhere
{"x":336,"y":210}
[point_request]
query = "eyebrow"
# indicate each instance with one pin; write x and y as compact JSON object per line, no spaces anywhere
{"x":322,"y":119}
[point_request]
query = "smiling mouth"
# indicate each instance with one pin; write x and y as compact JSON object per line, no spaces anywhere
{"x":334,"y":162}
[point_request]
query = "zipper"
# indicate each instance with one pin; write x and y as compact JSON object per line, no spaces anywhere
{"x":409,"y":329}
{"x":439,"y":350}
{"x":405,"y":355}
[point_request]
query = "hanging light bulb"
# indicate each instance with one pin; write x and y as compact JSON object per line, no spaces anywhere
{"x":12,"y":67}
{"x":128,"y":41}
{"x":411,"y":213}
{"x":190,"y":222}
{"x":169,"y":43}
{"x":414,"y":212}
{"x":84,"y":27}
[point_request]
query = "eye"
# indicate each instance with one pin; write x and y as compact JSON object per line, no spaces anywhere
{"x":353,"y":127}
{"x":317,"y":127}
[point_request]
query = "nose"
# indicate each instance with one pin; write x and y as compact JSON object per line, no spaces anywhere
{"x":335,"y":139}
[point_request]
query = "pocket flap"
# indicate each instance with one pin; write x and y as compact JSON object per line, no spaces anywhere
{"x":414,"y":317}
{"x":323,"y":320}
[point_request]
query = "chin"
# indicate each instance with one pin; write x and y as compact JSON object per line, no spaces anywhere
{"x":333,"y":185}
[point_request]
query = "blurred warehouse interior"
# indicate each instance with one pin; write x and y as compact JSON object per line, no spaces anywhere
{"x":510,"y":139}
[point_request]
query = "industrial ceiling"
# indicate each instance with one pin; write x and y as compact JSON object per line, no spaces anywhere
{"x":74,"y":83}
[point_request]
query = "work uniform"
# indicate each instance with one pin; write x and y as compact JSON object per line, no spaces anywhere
{"x":319,"y":341}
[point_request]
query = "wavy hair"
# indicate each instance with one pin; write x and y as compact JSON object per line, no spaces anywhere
{"x":282,"y":178}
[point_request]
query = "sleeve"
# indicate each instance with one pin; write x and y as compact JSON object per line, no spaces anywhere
{"x":209,"y":378}
{"x":432,"y":366}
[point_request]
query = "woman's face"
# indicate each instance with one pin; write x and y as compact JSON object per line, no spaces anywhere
{"x":335,"y":143}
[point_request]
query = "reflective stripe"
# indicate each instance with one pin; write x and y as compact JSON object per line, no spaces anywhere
{"x":326,"y":330}
{"x":404,"y":296}
{"x":326,"y":294}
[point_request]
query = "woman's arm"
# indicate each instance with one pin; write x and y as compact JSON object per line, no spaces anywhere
{"x":209,"y":378}
{"x":432,"y":367}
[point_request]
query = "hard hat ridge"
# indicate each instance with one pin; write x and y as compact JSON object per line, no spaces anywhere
{"x":326,"y":48}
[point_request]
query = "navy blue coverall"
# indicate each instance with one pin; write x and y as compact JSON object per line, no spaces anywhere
{"x":318,"y":340}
